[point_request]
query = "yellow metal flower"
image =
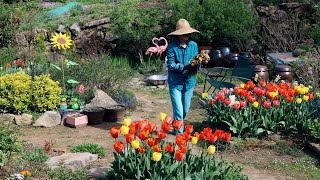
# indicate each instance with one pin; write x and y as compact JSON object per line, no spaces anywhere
{"x":126,"y":121}
{"x":211,"y":149}
{"x":135,"y":144}
{"x":61,"y":41}
{"x":204,"y":95}
{"x":156,"y":156}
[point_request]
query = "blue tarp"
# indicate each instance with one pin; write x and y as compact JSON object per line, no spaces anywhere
{"x":64,"y":9}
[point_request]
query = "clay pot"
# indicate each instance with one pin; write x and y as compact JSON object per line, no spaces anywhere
{"x":284,"y":72}
{"x":114,"y":113}
{"x":95,"y":115}
{"x":262,"y":72}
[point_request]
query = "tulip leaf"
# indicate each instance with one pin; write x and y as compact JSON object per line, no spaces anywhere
{"x":55,"y":66}
{"x":260,"y":130}
{"x":71,"y":63}
{"x":173,"y":167}
{"x":72,"y":81}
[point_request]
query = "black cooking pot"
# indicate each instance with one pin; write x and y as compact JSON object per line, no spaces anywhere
{"x":225,"y":51}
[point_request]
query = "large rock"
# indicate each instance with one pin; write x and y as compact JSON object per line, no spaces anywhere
{"x":98,"y":173}
{"x":75,"y":29}
{"x":72,"y":160}
{"x":48,"y":119}
{"x":23,"y":119}
{"x":96,"y":23}
{"x":62,"y":29}
{"x":101,"y":99}
{"x":7,"y":118}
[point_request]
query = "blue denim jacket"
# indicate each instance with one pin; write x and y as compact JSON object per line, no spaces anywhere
{"x":177,"y":58}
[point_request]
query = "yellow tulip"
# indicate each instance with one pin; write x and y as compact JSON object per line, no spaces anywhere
{"x":135,"y":144}
{"x":194,"y":140}
{"x":156,"y":156}
{"x":298,"y":100}
{"x":242,"y":86}
{"x":211,"y":149}
{"x":204,"y":95}
{"x":255,"y":104}
{"x":318,"y":94}
{"x":306,"y":98}
{"x":297,"y":88}
{"x":273,"y":94}
{"x":306,"y":89}
{"x":236,"y":102}
{"x":124,"y":130}
{"x":163,"y":116}
{"x":126,"y":121}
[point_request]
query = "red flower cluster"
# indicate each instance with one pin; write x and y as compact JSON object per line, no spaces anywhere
{"x":16,"y":62}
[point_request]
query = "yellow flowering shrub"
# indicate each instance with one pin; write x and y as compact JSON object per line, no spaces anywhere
{"x":15,"y":92}
{"x":45,"y":93}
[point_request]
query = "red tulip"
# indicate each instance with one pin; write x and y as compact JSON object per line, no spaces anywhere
{"x":196,"y":134}
{"x":275,"y":103}
{"x":227,"y":136}
{"x":151,"y":142}
{"x":142,"y":124}
{"x":213,"y":138}
{"x":169,"y":148}
{"x":219,"y":133}
{"x":263,"y":83}
{"x":143,"y":134}
{"x":165,"y":127}
{"x":227,"y":101}
{"x":310,"y":96}
{"x":118,"y":146}
{"x":177,"y":124}
{"x":130,"y":137}
{"x":179,"y":155}
{"x":180,"y":141}
{"x":133,"y":128}
{"x":189,"y":128}
{"x":289,"y":98}
{"x":236,"y":105}
{"x":267,"y":104}
{"x":141,"y":149}
{"x":152,"y":126}
{"x":251,"y":99}
{"x":162,"y":135}
{"x":243,"y":103}
{"x":187,"y":135}
{"x":114,"y":132}
{"x":168,"y":120}
{"x":210,"y":103}
{"x":183,"y":149}
{"x":207,"y":131}
{"x":157,"y":148}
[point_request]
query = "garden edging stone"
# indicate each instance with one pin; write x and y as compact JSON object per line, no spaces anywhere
{"x":23,"y":119}
{"x":48,"y":119}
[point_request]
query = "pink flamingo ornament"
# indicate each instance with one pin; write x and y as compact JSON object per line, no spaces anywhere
{"x":152,"y":50}
{"x":164,"y":47}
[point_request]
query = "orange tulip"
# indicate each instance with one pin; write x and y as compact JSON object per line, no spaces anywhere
{"x":183,"y":149}
{"x":151,"y":126}
{"x":189,"y":128}
{"x":141,"y":149}
{"x":227,"y":136}
{"x":130,"y":137}
{"x":142,"y":124}
{"x":170,"y":148}
{"x":180,"y":141}
{"x":213,"y":138}
{"x":165,"y":127}
{"x":177,"y":124}
{"x":157,"y":148}
{"x":143,"y":134}
{"x":118,"y":146}
{"x":114,"y":132}
{"x":133,"y":128}
{"x":162,"y":135}
{"x":289,"y":98}
{"x":151,"y":142}
{"x":263,"y":83}
{"x":168,"y":120}
{"x":179,"y":155}
{"x":187,"y":136}
{"x":310,"y":95}
{"x":219,"y":133}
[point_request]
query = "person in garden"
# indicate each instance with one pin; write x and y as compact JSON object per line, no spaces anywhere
{"x":181,"y":74}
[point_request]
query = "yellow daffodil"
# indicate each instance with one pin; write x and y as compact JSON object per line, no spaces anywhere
{"x":194,"y":140}
{"x":211,"y":149}
{"x":61,"y":41}
{"x":204,"y":95}
{"x":242,"y":86}
{"x":299,"y":100}
{"x":124,"y":130}
{"x":163,"y":116}
{"x":126,"y":121}
{"x":255,"y":104}
{"x":156,"y":156}
{"x":306,"y":98}
{"x":135,"y":144}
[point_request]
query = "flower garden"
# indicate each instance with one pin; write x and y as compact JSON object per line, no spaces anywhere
{"x":76,"y":101}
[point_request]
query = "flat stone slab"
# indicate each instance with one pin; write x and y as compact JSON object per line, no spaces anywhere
{"x":72,"y":160}
{"x":98,"y":173}
{"x":315,"y":147}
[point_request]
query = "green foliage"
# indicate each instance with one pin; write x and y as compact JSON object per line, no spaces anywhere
{"x":89,"y":147}
{"x":135,"y":24}
{"x":15,"y":92}
{"x":45,"y":93}
{"x":315,"y":129}
{"x":63,"y":172}
{"x":33,"y":160}
{"x":7,"y":54}
{"x":9,"y":144}
{"x":217,"y":20}
{"x":8,"y":24}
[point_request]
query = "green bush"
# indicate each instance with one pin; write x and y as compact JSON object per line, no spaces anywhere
{"x":135,"y":24}
{"x":233,"y":22}
{"x":89,"y":147}
{"x":8,"y":23}
{"x":63,"y":172}
{"x":45,"y":93}
{"x":7,"y":54}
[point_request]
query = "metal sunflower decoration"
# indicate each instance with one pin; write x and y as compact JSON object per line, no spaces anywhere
{"x":61,"y":41}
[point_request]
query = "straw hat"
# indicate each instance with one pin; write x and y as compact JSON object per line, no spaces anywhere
{"x":183,"y":27}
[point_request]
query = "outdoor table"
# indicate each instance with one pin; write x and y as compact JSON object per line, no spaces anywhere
{"x":284,"y":58}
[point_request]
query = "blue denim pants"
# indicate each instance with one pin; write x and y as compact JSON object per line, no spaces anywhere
{"x":181,"y":101}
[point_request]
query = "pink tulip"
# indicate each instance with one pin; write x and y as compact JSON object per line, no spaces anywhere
{"x":251,"y":99}
{"x":267,"y":104}
{"x":243,"y":103}
{"x":275,"y":103}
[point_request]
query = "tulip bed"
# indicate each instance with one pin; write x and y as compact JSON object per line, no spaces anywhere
{"x":146,"y":153}
{"x":259,"y":109}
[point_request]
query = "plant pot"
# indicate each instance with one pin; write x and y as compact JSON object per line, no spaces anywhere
{"x":77,"y":120}
{"x":64,"y":106}
{"x":95,"y":115}
{"x":114,"y":113}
